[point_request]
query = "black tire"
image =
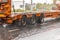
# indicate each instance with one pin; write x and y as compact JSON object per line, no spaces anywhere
{"x":33,"y":20}
{"x":30,"y":21}
{"x":42,"y":17}
{"x":23,"y":21}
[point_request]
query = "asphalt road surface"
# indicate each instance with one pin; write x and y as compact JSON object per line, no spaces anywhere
{"x":51,"y":32}
{"x":4,"y":34}
{"x":12,"y":32}
{"x":45,"y":31}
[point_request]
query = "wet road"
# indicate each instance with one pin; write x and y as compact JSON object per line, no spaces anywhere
{"x":30,"y":30}
{"x":1,"y":33}
{"x":14,"y":33}
{"x":4,"y":34}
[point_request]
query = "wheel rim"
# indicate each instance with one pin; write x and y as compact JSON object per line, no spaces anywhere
{"x":23,"y":23}
{"x":33,"y":21}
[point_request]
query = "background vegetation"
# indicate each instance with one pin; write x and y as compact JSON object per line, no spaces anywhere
{"x":38,"y":7}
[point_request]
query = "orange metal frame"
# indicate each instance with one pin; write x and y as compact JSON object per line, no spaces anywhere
{"x":7,"y":7}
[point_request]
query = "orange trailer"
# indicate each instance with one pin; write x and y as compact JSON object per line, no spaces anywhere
{"x":23,"y":18}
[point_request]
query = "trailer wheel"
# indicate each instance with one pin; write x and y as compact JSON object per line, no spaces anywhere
{"x":42,"y":17}
{"x":42,"y":20}
{"x":23,"y":21}
{"x":33,"y":20}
